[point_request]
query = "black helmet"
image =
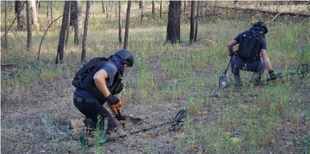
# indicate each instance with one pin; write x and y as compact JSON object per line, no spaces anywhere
{"x":125,"y":56}
{"x":262,"y":26}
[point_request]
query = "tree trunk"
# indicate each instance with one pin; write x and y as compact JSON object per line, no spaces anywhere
{"x":127,"y":24}
{"x":161,"y":9}
{"x":174,"y":17}
{"x":20,"y":10}
{"x":5,"y":42}
{"x":141,"y":6}
{"x":191,"y":36}
{"x":75,"y":20}
{"x":85,"y":33}
{"x":103,"y":7}
{"x":29,"y":27}
{"x":64,"y":26}
{"x":34,"y":16}
{"x":153,"y":9}
{"x":49,"y":13}
{"x":119,"y":23}
{"x":196,"y":28}
{"x":107,"y":11}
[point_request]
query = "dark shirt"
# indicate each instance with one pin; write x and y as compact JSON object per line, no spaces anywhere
{"x":111,"y":70}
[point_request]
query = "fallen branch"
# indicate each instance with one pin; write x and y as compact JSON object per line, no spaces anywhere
{"x":266,"y":11}
{"x":275,"y":17}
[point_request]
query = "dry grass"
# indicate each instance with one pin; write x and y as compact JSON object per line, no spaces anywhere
{"x":36,"y":96}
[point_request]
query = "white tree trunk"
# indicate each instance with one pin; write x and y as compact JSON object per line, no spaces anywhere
{"x":33,"y":9}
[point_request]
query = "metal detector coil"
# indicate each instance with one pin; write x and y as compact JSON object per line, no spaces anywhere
{"x":178,"y":120}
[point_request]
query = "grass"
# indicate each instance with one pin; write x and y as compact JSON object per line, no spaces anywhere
{"x":273,"y":118}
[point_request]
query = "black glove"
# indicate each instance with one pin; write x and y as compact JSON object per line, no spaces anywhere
{"x":272,"y":75}
{"x":231,"y":54}
{"x":111,"y":99}
{"x":120,"y":117}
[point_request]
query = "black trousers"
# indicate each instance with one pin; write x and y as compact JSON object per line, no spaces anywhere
{"x":91,"y":109}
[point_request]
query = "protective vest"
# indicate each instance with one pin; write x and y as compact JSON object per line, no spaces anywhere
{"x":84,"y":78}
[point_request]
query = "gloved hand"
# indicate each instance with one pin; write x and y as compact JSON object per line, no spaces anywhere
{"x":111,"y":99}
{"x":120,"y":117}
{"x":231,"y":54}
{"x":272,"y":75}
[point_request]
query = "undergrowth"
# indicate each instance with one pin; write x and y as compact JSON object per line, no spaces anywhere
{"x":254,"y":119}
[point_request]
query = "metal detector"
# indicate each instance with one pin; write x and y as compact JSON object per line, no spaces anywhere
{"x":177,"y":124}
{"x":302,"y":71}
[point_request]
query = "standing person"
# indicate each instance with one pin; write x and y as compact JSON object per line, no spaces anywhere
{"x":252,"y":47}
{"x":100,"y":87}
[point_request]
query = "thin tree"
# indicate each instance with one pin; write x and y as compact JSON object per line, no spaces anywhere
{"x":192,"y":35}
{"x":196,"y":28}
{"x":153,"y":9}
{"x":29,"y":27}
{"x":64,"y":25}
{"x":5,"y":42}
{"x":49,"y":13}
{"x":127,"y":24}
{"x":75,"y":16}
{"x":141,"y":6}
{"x":103,"y":7}
{"x":85,"y":33}
{"x":174,"y":17}
{"x":161,"y":9}
{"x":119,"y":23}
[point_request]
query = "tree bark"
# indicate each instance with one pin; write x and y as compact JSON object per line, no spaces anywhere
{"x":75,"y":21}
{"x":141,"y":6}
{"x":153,"y":9}
{"x":119,"y":24}
{"x":196,"y":28}
{"x":20,"y":10}
{"x":5,"y":42}
{"x":29,"y":27}
{"x":103,"y":7}
{"x":127,"y":25}
{"x":62,"y":35}
{"x":161,"y":9}
{"x":34,"y":14}
{"x":85,"y":33}
{"x":192,"y":35}
{"x":49,"y":13}
{"x":174,"y":17}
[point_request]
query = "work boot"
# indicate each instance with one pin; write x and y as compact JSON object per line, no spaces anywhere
{"x":90,"y":126}
{"x":238,"y":82}
{"x":256,"y":78}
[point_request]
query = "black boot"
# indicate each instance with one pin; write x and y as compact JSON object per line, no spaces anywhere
{"x":238,"y":82}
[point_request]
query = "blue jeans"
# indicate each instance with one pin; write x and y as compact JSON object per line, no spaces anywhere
{"x":237,"y":65}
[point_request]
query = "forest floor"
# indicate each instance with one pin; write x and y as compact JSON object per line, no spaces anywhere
{"x":42,"y":123}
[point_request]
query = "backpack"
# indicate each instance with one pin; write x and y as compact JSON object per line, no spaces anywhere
{"x":87,"y":69}
{"x":248,"y":47}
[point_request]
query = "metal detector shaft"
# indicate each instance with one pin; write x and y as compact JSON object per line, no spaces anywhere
{"x":177,"y":119}
{"x":133,"y":132}
{"x":227,"y":66}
